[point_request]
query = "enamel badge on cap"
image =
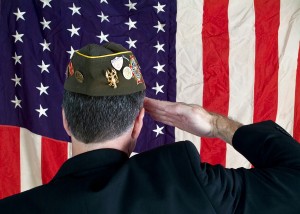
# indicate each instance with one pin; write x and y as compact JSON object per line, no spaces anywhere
{"x":117,"y":63}
{"x":70,"y":69}
{"x":134,"y":66}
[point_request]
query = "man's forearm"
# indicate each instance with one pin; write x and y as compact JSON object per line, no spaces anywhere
{"x":224,"y":128}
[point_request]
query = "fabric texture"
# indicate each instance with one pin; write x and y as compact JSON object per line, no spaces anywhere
{"x":171,"y":179}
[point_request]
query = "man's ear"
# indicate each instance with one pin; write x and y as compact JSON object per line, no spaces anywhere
{"x":65,"y":122}
{"x":138,"y":124}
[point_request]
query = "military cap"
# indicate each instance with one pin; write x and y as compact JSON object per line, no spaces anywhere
{"x":106,"y":70}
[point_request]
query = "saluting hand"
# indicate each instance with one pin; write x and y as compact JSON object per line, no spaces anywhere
{"x":188,"y":117}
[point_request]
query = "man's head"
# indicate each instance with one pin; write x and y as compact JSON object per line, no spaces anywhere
{"x":98,"y":119}
{"x":104,"y":93}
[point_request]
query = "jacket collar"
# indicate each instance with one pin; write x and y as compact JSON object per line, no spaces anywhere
{"x":91,"y":160}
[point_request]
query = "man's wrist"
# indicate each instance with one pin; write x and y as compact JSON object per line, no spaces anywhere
{"x":224,"y":128}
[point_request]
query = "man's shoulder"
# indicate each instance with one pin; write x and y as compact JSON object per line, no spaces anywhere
{"x":179,"y":148}
{"x":180,"y":154}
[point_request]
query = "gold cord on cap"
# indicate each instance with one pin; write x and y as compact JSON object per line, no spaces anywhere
{"x":103,"y":56}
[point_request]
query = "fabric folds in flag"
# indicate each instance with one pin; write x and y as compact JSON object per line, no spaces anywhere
{"x":240,"y":59}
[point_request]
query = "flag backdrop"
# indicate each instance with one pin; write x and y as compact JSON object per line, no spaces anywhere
{"x":238,"y":58}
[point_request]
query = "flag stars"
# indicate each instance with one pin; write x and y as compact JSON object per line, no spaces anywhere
{"x":71,"y":52}
{"x":19,"y":14}
{"x":43,"y":89}
{"x":17,"y":58}
{"x":18,"y":37}
{"x":75,"y":9}
{"x":105,"y":1}
{"x":159,"y":47}
{"x":17,"y":102}
{"x":45,"y":45}
{"x":103,"y":17}
{"x":131,"y":43}
{"x":158,"y":130}
{"x":42,"y":111}
{"x":16,"y":80}
{"x":46,"y":3}
{"x":159,"y":68}
{"x":159,"y":7}
{"x":131,"y":24}
{"x":103,"y":37}
{"x":158,"y":88}
{"x":44,"y":67}
{"x":45,"y":24}
{"x":131,"y":5}
{"x":160,"y":27}
{"x":74,"y":30}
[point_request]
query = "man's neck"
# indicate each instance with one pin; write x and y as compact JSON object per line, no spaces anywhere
{"x":123,"y":143}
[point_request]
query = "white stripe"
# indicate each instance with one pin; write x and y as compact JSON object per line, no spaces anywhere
{"x":30,"y":146}
{"x":241,"y":22}
{"x":288,"y":43}
{"x":133,"y":154}
{"x":69,"y":150}
{"x":189,"y":58}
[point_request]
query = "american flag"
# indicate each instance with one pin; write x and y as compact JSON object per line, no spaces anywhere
{"x":238,"y":58}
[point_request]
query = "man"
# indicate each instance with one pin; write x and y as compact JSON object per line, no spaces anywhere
{"x":103,"y":113}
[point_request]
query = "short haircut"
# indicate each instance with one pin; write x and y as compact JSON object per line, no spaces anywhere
{"x":97,"y":119}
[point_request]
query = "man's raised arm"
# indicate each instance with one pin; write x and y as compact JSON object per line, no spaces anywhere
{"x":192,"y":118}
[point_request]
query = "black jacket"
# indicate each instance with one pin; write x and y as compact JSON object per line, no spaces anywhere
{"x":171,"y":179}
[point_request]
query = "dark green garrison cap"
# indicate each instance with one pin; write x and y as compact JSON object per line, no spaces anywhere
{"x":106,"y":70}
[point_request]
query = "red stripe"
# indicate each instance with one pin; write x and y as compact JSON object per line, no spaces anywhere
{"x":9,"y":161}
{"x":54,"y":154}
{"x":267,"y":19}
{"x":297,"y":103}
{"x":215,"y":38}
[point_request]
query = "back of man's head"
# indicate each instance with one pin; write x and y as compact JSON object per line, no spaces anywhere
{"x":104,"y":92}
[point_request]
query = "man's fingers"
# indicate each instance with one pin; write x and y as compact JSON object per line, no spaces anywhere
{"x":164,"y":119}
{"x":155,"y":111}
{"x":166,"y":112}
{"x":151,"y":104}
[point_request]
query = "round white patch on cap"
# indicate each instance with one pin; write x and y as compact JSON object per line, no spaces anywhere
{"x":127,"y":73}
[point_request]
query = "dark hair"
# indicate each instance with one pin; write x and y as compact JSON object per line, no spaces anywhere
{"x":95,"y":119}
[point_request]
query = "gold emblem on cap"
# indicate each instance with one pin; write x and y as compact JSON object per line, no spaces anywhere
{"x":79,"y":76}
{"x":112,"y":78}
